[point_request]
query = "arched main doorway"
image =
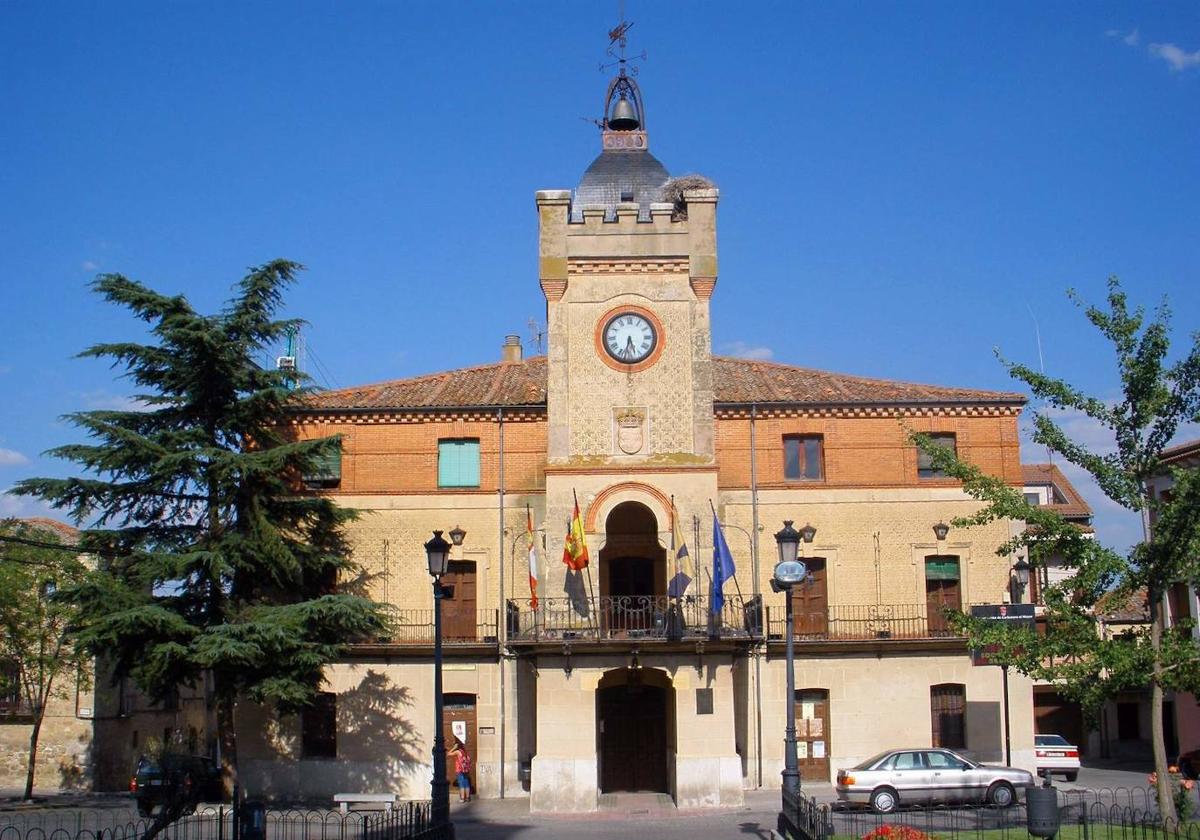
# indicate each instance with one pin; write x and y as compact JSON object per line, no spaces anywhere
{"x":635,"y":730}
{"x":633,"y":574}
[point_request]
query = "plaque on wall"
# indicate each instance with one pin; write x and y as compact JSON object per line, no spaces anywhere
{"x":630,"y":430}
{"x":704,"y":701}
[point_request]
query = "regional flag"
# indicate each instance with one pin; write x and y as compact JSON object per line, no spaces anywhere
{"x":723,"y":568}
{"x":533,"y":577}
{"x":685,"y":572}
{"x":575,"y":553}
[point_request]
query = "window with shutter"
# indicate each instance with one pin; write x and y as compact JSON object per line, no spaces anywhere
{"x":325,"y":470}
{"x":458,"y":462}
{"x":318,"y":727}
{"x":803,"y":458}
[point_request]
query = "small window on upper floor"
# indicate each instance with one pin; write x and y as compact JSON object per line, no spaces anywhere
{"x":1033,"y":499}
{"x":804,"y":457}
{"x":325,"y":470}
{"x":925,"y":467}
{"x":458,"y":462}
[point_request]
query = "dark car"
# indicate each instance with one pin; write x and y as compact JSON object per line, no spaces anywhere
{"x":187,"y":779}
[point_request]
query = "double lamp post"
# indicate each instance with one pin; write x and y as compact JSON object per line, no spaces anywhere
{"x":437,"y":554}
{"x":790,"y":572}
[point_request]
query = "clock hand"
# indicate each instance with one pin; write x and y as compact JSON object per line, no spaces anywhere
{"x":629,"y":351}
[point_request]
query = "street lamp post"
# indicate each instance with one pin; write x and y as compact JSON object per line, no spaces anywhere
{"x":788,"y":572}
{"x":437,"y":553}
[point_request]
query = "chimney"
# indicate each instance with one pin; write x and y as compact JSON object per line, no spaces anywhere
{"x":511,"y":351}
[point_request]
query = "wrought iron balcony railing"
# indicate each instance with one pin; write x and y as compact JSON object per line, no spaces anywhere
{"x":847,"y":622}
{"x":415,"y":627}
{"x":634,"y":617}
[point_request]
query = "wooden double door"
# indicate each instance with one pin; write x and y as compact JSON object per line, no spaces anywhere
{"x":812,"y":734}
{"x":633,"y":738}
{"x":810,"y":601}
{"x":459,"y":616}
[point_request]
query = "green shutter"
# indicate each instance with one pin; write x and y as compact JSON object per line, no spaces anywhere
{"x":941,"y":570}
{"x":458,"y":463}
{"x":326,"y":469}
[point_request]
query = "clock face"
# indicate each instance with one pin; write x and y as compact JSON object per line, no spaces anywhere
{"x":629,"y":337}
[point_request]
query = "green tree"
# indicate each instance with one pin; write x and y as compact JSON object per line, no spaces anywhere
{"x":1158,"y":395}
{"x":217,"y":561}
{"x":36,"y":627}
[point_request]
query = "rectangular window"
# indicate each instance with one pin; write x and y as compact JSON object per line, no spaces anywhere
{"x":925,"y":467}
{"x":325,"y":470}
{"x":1033,"y":499}
{"x":11,"y":698}
{"x":318,"y":727}
{"x":948,"y":708}
{"x":803,"y":458}
{"x":458,"y":462}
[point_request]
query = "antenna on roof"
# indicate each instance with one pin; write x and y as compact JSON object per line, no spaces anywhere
{"x":1037,"y":334}
{"x":287,"y":362}
{"x":537,"y":335}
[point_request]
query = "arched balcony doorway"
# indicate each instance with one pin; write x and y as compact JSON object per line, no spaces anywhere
{"x":633,"y":571}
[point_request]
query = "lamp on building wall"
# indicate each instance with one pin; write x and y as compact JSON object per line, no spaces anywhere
{"x":788,"y":572}
{"x":1021,"y":578}
{"x":457,"y":535}
{"x":437,"y":554}
{"x":940,"y":531}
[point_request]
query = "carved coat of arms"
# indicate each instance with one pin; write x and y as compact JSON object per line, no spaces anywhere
{"x":631,"y":425}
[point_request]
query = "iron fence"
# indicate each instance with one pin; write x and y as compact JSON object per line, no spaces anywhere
{"x":863,"y":621}
{"x":405,"y":821}
{"x":1104,"y":814}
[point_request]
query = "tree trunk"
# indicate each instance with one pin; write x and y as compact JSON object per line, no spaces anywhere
{"x":38,"y":714}
{"x":1166,"y":793}
{"x":227,"y":739}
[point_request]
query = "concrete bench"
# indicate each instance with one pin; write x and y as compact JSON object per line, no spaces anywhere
{"x":345,"y":799}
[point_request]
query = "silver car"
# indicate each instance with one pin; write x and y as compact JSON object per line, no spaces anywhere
{"x":926,"y":777}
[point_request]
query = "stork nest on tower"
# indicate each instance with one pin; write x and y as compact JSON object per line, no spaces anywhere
{"x":674,"y":189}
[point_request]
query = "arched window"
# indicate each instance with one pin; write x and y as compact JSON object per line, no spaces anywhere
{"x":948,"y":710}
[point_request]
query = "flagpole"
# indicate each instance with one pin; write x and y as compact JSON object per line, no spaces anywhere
{"x":675,"y":578}
{"x":591,"y":590}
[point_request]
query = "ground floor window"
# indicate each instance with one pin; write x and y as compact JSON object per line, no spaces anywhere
{"x":948,"y":709}
{"x":318,"y":727}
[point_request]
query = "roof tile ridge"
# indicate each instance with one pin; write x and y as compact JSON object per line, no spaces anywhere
{"x":422,"y":377}
{"x":859,"y":378}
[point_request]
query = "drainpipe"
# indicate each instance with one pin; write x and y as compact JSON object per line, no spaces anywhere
{"x":502,"y":615}
{"x":754,"y":567}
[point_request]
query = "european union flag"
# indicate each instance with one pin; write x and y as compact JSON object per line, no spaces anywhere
{"x":723,"y":568}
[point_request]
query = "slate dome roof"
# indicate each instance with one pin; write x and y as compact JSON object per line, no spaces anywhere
{"x":615,"y":172}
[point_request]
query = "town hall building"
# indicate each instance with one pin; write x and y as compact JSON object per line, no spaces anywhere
{"x":621,"y":678}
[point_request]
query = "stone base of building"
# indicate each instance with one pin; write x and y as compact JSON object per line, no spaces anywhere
{"x":563,"y":785}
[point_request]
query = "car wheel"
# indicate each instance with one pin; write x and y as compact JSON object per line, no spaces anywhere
{"x":1071,"y":776}
{"x":1001,"y":794}
{"x":884,"y":801}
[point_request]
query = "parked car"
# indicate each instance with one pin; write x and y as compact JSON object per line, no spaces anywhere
{"x":1189,"y":763}
{"x":928,"y":777}
{"x":191,"y":778}
{"x":1055,"y":754}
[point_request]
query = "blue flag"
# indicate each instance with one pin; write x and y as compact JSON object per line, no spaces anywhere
{"x":723,"y":568}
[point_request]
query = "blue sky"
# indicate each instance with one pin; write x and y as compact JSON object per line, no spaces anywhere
{"x":904,"y":186}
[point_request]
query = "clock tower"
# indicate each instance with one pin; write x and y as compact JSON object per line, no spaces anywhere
{"x":628,"y":262}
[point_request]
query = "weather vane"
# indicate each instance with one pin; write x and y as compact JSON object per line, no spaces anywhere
{"x":617,"y":41}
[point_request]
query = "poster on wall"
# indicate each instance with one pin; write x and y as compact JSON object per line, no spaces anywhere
{"x":459,"y":728}
{"x":816,"y":727}
{"x":802,"y":749}
{"x":818,"y":749}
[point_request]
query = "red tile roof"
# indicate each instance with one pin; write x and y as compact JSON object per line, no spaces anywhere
{"x":67,"y":533}
{"x":735,"y":381}
{"x":1183,"y":454}
{"x":1127,"y":608}
{"x":1073,"y":506}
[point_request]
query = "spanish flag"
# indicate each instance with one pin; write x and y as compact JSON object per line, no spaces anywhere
{"x":575,"y":554}
{"x":533,"y":601}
